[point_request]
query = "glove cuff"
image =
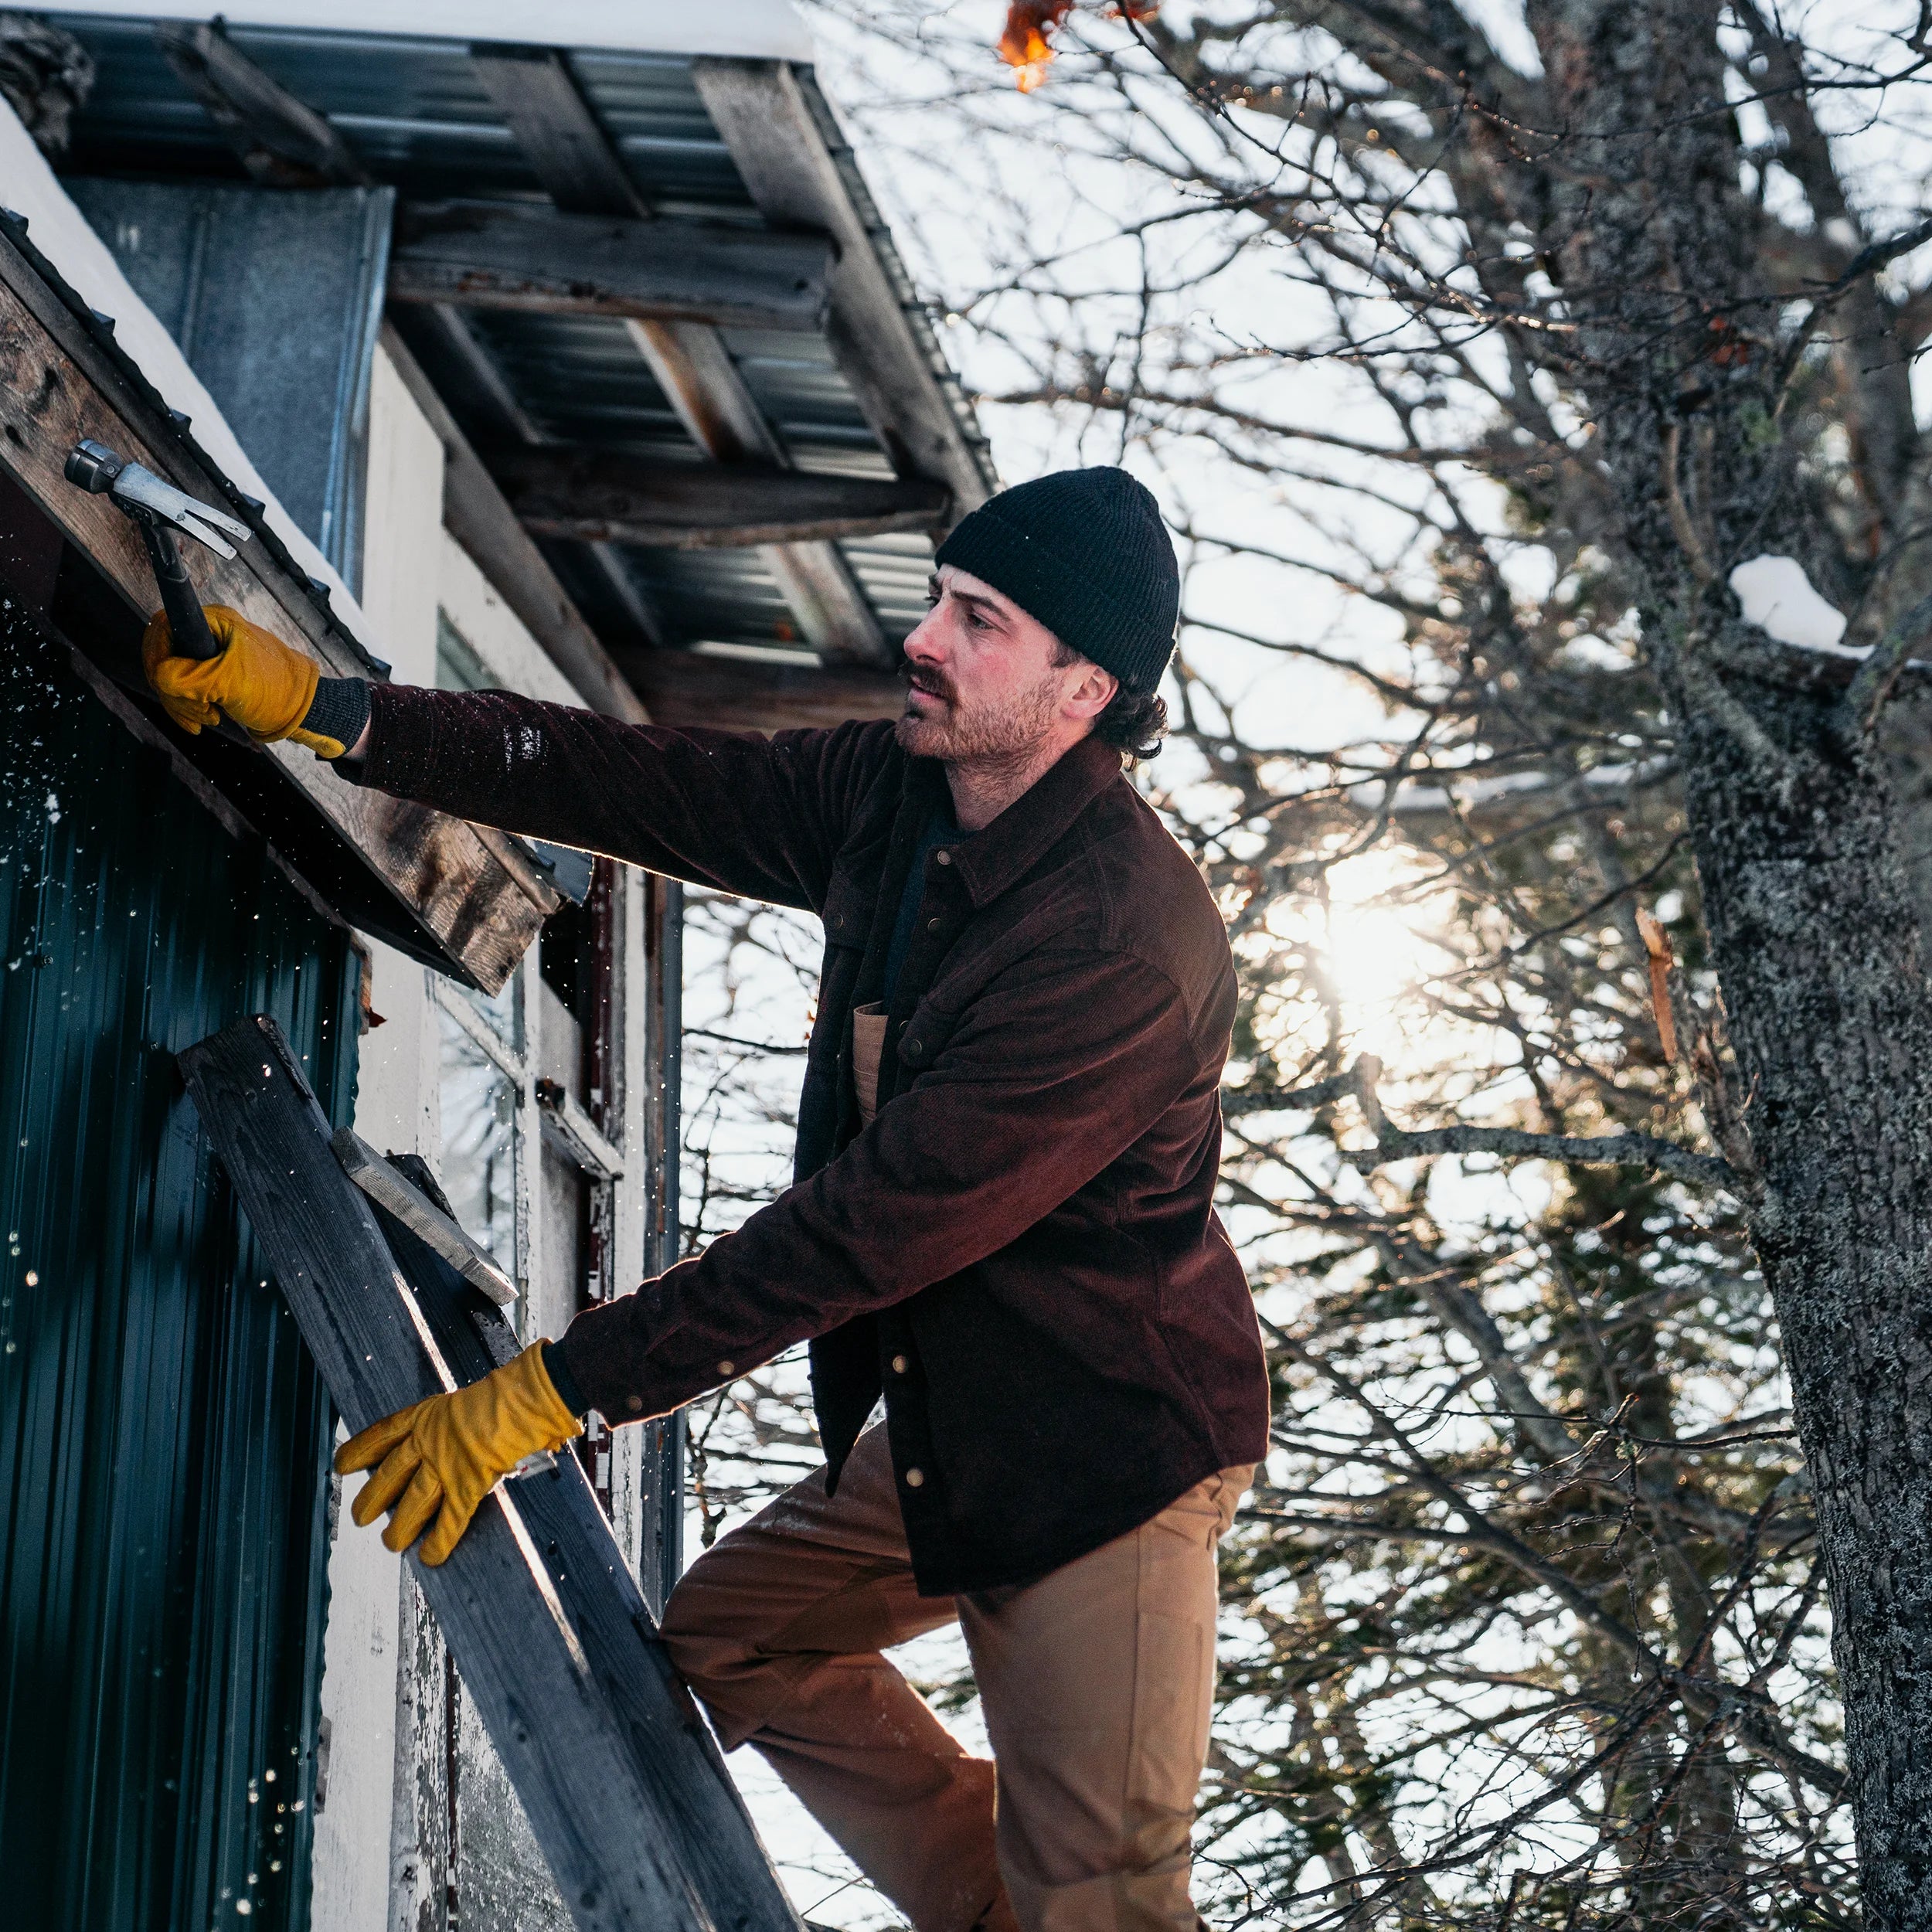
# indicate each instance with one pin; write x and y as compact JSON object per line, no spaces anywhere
{"x":534,"y":1382}
{"x":338,"y":712}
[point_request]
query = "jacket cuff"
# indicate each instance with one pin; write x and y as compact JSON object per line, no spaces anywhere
{"x":402,"y":738}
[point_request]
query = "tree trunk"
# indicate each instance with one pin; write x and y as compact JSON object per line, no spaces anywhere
{"x":1818,"y":948}
{"x":1814,"y":928}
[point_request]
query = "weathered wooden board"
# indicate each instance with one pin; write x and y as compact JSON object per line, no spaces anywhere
{"x":472,"y":891}
{"x":770,"y":119}
{"x":559,"y":134}
{"x":481,"y":255}
{"x":623,"y":1788}
{"x":616,"y":496}
{"x":566,"y":144}
{"x":441,"y":1232}
{"x":705,"y":387}
{"x":686,"y":688}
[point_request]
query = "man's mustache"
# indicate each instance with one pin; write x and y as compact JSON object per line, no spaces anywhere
{"x":920,"y":678}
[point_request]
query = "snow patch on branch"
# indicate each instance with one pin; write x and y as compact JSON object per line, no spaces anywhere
{"x":1778,"y":597}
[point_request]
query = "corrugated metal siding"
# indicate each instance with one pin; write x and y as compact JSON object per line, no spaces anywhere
{"x":163,"y":1433}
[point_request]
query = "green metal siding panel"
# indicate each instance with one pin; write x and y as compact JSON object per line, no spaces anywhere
{"x":163,"y":1435}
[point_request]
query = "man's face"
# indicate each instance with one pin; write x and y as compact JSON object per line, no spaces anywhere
{"x":982,"y":679}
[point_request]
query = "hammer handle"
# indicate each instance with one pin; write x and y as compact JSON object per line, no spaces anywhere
{"x":192,"y":638}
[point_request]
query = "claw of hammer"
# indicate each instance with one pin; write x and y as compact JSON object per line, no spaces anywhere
{"x":97,"y":469}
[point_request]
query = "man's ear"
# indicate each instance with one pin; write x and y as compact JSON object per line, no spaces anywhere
{"x":1092,"y":695}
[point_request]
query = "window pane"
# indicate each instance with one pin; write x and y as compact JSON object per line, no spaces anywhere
{"x":479,"y":1142}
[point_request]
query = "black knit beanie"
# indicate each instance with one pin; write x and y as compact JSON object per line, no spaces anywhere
{"x":1085,"y":553}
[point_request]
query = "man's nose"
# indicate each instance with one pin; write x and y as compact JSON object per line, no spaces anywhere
{"x":926,"y":645}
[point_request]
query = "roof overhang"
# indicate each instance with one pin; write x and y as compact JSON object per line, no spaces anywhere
{"x":689,"y":398}
{"x":743,"y":29}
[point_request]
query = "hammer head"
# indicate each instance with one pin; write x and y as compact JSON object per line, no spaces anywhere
{"x":94,"y":467}
{"x":102,"y":472}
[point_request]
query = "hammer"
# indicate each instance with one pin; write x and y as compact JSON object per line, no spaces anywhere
{"x":157,"y":510}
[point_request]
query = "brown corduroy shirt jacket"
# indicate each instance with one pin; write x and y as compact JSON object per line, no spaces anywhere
{"x":1021,"y":1252}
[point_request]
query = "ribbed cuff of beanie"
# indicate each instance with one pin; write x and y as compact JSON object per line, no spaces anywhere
{"x":1086,"y":553}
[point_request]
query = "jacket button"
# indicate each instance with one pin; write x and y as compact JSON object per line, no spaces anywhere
{"x":912,"y":1050}
{"x":634,"y":1404}
{"x":727,"y":1368}
{"x":900,"y":1365}
{"x":839,"y":919}
{"x":932,"y":925}
{"x":914,"y":1477}
{"x":945,"y":858}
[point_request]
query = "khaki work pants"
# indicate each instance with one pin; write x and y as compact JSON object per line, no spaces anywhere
{"x":1097,"y":1685}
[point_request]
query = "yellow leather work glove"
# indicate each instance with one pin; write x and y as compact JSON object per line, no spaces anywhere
{"x":258,"y":680}
{"x":446,"y":1454}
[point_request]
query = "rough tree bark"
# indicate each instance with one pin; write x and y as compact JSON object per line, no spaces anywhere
{"x":1795,"y":829}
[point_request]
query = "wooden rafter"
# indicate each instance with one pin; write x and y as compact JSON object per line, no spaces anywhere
{"x":475,"y":513}
{"x":746,"y":693}
{"x":775,"y":129}
{"x":697,"y":375}
{"x":555,"y":130}
{"x":281,"y":140}
{"x":484,"y":255}
{"x":563,"y":141}
{"x":611,"y":495}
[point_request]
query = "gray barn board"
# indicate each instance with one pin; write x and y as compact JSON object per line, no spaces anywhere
{"x":481,"y":255}
{"x":623,"y":1787}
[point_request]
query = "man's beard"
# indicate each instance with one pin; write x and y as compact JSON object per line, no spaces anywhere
{"x":967,"y":734}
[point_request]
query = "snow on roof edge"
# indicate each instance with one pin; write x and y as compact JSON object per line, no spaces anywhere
{"x":749,"y":29}
{"x":59,"y":229}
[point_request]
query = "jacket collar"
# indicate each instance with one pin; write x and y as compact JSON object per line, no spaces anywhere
{"x":989,"y":861}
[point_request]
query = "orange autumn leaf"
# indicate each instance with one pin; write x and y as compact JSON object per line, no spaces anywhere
{"x":1658,"y":947}
{"x":1024,"y":46}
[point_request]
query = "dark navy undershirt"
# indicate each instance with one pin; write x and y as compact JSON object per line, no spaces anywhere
{"x":940,"y":829}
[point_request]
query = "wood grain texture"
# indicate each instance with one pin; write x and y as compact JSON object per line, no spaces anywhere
{"x":471,"y":891}
{"x":625,"y":1792}
{"x":481,"y":255}
{"x":560,"y":135}
{"x":686,"y":688}
{"x":437,"y":1230}
{"x":877,"y":331}
{"x":616,"y":496}
{"x":695,"y":371}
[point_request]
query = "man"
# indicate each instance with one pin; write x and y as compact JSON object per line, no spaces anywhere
{"x":1002,"y":1223}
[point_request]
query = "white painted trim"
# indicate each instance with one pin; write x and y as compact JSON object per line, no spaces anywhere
{"x":514,"y":1067}
{"x":402,"y":525}
{"x":502,"y":642}
{"x":756,"y":29}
